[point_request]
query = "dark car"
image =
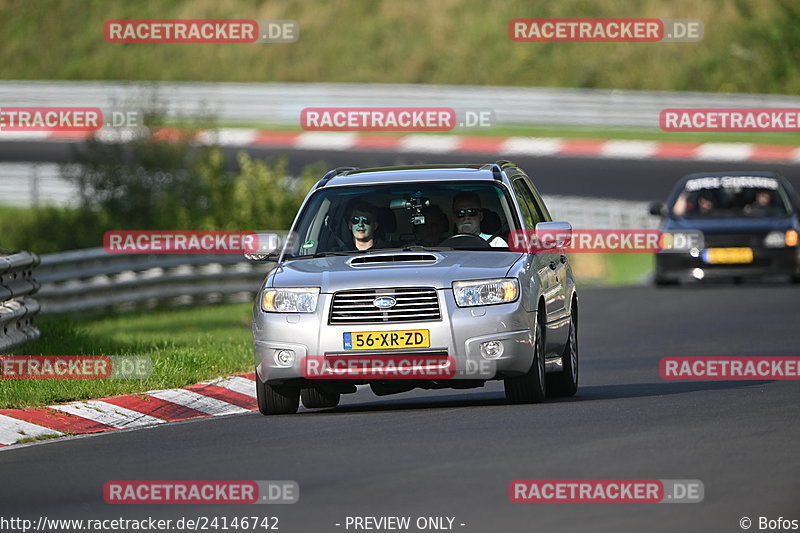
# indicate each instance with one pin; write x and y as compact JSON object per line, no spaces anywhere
{"x":749,"y":222}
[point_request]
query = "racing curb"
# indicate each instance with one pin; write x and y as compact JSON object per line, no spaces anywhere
{"x":222,"y":396}
{"x":446,"y":144}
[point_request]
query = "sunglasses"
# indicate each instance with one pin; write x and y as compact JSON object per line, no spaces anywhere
{"x":358,"y":220}
{"x":472,"y":212}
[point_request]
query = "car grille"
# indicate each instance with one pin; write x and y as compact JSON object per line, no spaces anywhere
{"x":722,"y":240}
{"x":413,"y":304}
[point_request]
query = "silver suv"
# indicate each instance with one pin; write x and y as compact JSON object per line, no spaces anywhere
{"x":402,"y":277}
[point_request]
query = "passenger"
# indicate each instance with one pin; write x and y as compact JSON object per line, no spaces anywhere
{"x":762,"y":205}
{"x":704,"y":205}
{"x":468,"y":216}
{"x":363,"y":222}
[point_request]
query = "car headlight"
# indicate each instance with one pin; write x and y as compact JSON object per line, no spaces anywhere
{"x":485,"y":292}
{"x":777,"y":239}
{"x":296,"y":300}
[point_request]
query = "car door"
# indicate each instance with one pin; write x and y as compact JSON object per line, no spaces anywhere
{"x":538,"y":263}
{"x":556,"y":303}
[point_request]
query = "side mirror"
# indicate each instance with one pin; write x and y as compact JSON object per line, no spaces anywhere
{"x":554,"y":236}
{"x":658,"y":209}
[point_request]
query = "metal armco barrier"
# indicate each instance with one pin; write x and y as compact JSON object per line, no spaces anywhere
{"x":281,"y":103}
{"x":17,"y":306}
{"x":94,"y":280}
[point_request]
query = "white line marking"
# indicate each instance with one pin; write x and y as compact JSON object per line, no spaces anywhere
{"x":325,"y":141}
{"x":724,"y":151}
{"x":204,"y":404}
{"x":108,"y":414}
{"x":440,"y":144}
{"x":531,"y":146}
{"x":629,"y":149}
{"x":12,"y":430}
{"x":236,"y":384}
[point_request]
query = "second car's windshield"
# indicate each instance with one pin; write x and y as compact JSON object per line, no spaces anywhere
{"x":731,"y":196}
{"x":351,"y":219}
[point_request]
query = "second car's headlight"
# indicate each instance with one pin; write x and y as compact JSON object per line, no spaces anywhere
{"x":777,"y":239}
{"x":296,"y":300}
{"x":485,"y":292}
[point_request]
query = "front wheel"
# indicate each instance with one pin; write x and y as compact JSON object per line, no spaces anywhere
{"x":277,"y":399}
{"x":316,"y":399}
{"x":530,"y":387}
{"x":565,"y":383}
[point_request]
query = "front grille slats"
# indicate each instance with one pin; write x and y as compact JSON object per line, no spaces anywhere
{"x":724,"y":240}
{"x":413,"y":304}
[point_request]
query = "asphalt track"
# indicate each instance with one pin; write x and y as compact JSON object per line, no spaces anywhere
{"x":628,"y":179}
{"x":453,"y":453}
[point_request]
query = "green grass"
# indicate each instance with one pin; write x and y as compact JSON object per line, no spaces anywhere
{"x":186,"y":346}
{"x":748,"y":45}
{"x":593,"y":270}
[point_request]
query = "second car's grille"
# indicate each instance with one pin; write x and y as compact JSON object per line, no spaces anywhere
{"x":716,"y":240}
{"x":412,"y":304}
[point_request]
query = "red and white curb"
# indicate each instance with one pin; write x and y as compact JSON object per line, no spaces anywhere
{"x":222,"y":396}
{"x":453,"y":144}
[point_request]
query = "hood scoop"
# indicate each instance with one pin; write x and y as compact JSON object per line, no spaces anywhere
{"x":392,"y":259}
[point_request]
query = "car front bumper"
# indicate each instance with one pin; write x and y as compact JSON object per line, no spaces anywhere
{"x":767,"y":262}
{"x":459,"y":334}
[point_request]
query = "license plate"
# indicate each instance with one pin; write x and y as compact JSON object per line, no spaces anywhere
{"x":387,"y":340}
{"x":728,"y":255}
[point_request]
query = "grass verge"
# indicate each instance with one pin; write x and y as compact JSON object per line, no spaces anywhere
{"x":186,"y":346}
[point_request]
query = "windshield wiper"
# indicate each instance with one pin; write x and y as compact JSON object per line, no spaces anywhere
{"x":320,"y":254}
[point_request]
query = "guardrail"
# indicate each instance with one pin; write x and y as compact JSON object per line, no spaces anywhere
{"x":281,"y":103}
{"x":94,"y":280}
{"x":17,"y":307}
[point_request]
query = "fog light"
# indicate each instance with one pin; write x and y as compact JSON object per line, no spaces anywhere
{"x":491,"y":349}
{"x":694,"y":252}
{"x":284,"y":357}
{"x":698,"y":273}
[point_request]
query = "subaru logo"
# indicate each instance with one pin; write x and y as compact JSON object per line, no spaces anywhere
{"x":384,"y":302}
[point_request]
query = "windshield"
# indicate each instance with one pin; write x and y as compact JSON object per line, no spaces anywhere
{"x":731,"y":196}
{"x":351,"y":219}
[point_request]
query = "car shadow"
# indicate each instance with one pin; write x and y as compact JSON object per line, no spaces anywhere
{"x":496,"y":398}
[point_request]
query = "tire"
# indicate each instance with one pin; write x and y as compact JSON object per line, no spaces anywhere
{"x":315,"y":398}
{"x":532,"y":386}
{"x":277,"y":399}
{"x":565,"y":383}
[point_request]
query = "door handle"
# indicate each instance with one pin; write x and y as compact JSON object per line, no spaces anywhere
{"x":553,"y":265}
{"x":563,"y":258}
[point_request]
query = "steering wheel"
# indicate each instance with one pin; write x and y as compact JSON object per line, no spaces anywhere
{"x":465,"y":240}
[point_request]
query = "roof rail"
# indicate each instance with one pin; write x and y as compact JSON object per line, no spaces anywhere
{"x":502,"y":163}
{"x":335,"y":172}
{"x":497,"y":172}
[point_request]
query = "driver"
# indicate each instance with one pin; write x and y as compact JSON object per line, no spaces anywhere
{"x":468,"y":216}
